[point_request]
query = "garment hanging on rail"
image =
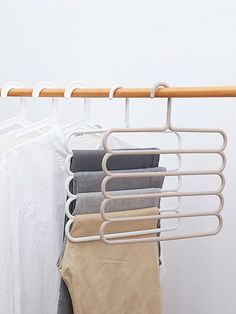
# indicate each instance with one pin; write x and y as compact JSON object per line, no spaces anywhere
{"x":6,"y":269}
{"x":9,"y":141}
{"x":117,"y":279}
{"x":32,"y":202}
{"x":36,"y":222}
{"x":88,"y":203}
{"x":89,"y":179}
{"x":91,"y":160}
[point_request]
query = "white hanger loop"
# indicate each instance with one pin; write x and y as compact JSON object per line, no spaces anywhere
{"x":111,"y":96}
{"x":169,"y":101}
{"x":127,"y":123}
{"x":87,"y":105}
{"x":37,"y":90}
{"x":4,"y":94}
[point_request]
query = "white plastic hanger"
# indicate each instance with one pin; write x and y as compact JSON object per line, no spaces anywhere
{"x":45,"y":123}
{"x":91,"y":132}
{"x":85,"y":122}
{"x":19,"y":120}
{"x":111,"y":96}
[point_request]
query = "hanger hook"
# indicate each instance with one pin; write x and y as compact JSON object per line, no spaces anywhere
{"x":37,"y":90}
{"x":154,"y":88}
{"x":111,"y":96}
{"x":68,"y":93}
{"x":10,"y":85}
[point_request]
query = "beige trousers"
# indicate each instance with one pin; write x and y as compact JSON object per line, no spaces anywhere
{"x":112,"y":279}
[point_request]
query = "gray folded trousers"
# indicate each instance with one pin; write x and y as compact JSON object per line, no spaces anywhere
{"x":91,"y":160}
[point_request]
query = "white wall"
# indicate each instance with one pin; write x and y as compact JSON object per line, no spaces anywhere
{"x":137,"y":43}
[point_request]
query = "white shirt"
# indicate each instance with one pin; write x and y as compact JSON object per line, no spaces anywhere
{"x":7,"y":141}
{"x":6,"y":267}
{"x":10,"y":140}
{"x":33,"y":175}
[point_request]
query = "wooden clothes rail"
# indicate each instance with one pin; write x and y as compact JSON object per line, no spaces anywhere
{"x":176,"y":92}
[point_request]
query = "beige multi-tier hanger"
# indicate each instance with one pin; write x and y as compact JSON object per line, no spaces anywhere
{"x":111,"y":175}
{"x":117,"y":238}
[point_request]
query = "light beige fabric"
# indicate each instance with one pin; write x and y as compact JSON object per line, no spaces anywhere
{"x":112,"y":279}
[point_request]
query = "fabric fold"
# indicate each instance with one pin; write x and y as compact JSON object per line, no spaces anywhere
{"x":91,"y":160}
{"x":121,"y":278}
{"x":90,"y":181}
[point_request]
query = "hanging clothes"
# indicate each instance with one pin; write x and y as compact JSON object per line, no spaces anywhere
{"x":88,"y":180}
{"x":35,"y":222}
{"x":6,"y":266}
{"x":91,"y":160}
{"x":90,"y":203}
{"x":112,"y":278}
{"x":35,"y":199}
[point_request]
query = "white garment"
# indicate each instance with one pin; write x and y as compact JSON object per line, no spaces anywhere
{"x":10,"y":140}
{"x":34,"y":217}
{"x":7,"y":141}
{"x":6,"y":270}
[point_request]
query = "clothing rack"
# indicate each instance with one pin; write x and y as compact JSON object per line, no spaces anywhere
{"x":162,"y":90}
{"x":176,"y":92}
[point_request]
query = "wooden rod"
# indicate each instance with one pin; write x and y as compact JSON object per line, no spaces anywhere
{"x":176,"y":92}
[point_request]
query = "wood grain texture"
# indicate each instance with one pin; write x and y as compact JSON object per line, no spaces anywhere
{"x":175,"y":92}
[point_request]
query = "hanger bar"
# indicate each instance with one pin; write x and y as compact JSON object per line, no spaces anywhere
{"x":177,"y":92}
